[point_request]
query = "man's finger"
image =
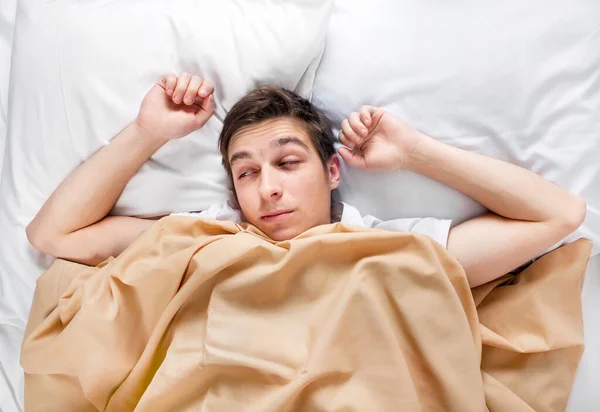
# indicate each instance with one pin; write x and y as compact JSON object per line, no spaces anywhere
{"x":349,"y":133}
{"x":189,"y":97}
{"x":345,"y":141}
{"x":168,"y":83}
{"x":352,"y":158}
{"x":365,"y":115}
{"x":357,"y":125}
{"x":206,"y":89}
{"x":182,"y":84}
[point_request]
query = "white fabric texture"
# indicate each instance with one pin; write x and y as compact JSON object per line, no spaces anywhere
{"x":8,"y":10}
{"x":518,"y":81}
{"x":585,"y":395}
{"x":79,"y":72}
{"x":10,"y":341}
{"x":437,"y":229}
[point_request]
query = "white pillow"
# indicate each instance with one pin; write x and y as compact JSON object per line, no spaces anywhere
{"x":79,"y":72}
{"x":519,"y":81}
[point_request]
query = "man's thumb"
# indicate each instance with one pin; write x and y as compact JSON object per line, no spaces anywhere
{"x":207,"y":109}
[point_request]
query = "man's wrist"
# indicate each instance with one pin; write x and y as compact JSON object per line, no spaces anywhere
{"x":145,"y":138}
{"x":415,"y":158}
{"x":146,"y":134}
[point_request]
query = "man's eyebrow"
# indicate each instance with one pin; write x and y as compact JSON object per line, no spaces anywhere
{"x":276,"y":143}
{"x":282,"y":141}
{"x":239,"y":156}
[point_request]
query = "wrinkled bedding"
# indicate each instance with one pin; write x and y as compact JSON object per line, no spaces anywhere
{"x":212,"y":315}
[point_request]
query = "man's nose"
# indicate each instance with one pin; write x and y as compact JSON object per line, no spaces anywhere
{"x":270,"y":185}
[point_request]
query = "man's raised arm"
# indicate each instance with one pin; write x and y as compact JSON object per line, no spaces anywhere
{"x":530,"y":214}
{"x":73,"y":223}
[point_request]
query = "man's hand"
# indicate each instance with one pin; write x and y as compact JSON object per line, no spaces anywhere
{"x":380,"y":141}
{"x":176,"y":106}
{"x":530,"y":214}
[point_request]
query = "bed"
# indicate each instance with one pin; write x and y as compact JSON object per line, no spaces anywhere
{"x":520,"y":82}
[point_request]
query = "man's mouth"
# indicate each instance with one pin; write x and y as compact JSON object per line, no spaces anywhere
{"x":276,"y":216}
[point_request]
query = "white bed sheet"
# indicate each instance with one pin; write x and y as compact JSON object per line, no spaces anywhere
{"x":11,"y":335}
{"x":8,"y":10}
{"x":585,"y":396}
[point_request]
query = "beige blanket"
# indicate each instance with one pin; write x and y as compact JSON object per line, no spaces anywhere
{"x":213,"y":316}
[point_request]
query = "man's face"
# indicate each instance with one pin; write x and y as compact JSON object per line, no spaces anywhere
{"x":281,"y":184}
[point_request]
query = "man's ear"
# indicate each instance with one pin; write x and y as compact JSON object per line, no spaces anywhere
{"x":334,"y":169}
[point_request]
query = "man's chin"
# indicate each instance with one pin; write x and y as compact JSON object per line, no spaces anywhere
{"x":280,"y":235}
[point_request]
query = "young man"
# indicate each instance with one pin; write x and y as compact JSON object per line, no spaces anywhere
{"x":278,"y":151}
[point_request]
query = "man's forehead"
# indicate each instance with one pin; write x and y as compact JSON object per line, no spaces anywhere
{"x":274,"y":133}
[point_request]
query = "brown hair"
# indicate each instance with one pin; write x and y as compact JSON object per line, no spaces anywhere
{"x":270,"y":102}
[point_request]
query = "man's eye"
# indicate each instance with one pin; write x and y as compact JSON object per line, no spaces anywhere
{"x":244,"y":174}
{"x":291,"y":162}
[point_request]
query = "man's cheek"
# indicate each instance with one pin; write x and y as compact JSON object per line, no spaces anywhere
{"x":242,"y":202}
{"x":248,"y":203}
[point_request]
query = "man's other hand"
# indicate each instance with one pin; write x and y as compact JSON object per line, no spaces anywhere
{"x":376,"y":140}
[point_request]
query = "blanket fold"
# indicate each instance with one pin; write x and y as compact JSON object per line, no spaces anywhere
{"x":209,"y":315}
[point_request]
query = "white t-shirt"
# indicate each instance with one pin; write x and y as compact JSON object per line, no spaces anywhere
{"x":437,"y":229}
